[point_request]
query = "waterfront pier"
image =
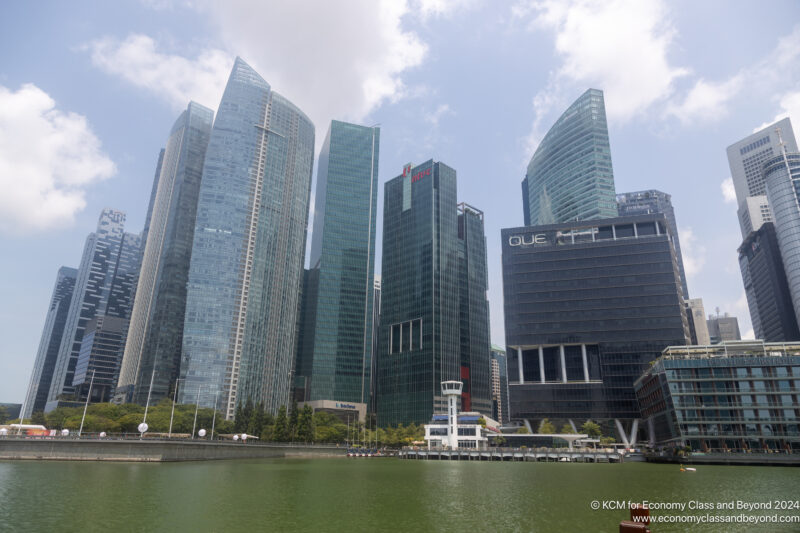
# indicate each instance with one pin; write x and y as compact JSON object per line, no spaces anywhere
{"x":586,"y":455}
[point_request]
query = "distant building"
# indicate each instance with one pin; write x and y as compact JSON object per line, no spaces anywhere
{"x":746,"y":160}
{"x":696,"y":315}
{"x":334,"y":359}
{"x":587,"y":306}
{"x":729,"y":397}
{"x":723,"y":328}
{"x":156,"y":328}
{"x":782,"y":176}
{"x":499,"y":379}
{"x":100,"y":358}
{"x":653,"y":201}
{"x":105,"y":286}
{"x":570,"y":176}
{"x":376,"y":326}
{"x":767,"y":290}
{"x":50,"y":342}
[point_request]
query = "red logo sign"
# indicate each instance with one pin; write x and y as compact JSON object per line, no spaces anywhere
{"x":419,"y":175}
{"x":407,"y":170}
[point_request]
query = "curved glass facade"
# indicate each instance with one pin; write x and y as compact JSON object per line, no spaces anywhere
{"x":248,"y":251}
{"x":782,"y":178}
{"x":570,"y":176}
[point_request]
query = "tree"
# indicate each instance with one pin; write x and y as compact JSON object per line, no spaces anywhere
{"x":293,"y":419}
{"x":305,"y":424}
{"x":238,"y":419}
{"x":38,"y":418}
{"x":3,"y":414}
{"x":523,"y":430}
{"x":482,"y":422}
{"x":280,"y":433}
{"x":500,"y":440}
{"x":566,"y":428}
{"x":591,"y":429}
{"x":257,"y":420}
{"x":547,"y":427}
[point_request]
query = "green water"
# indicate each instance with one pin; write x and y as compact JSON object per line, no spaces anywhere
{"x":352,"y":495}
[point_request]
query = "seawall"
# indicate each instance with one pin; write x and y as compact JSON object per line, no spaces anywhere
{"x":134,"y":450}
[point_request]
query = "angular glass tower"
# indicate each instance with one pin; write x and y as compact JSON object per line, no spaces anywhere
{"x":105,"y":285}
{"x":246,"y":270}
{"x":570,"y":176}
{"x":47,"y":354}
{"x":651,"y":202}
{"x":422,"y":332}
{"x":334,"y":360}
{"x":156,"y":329}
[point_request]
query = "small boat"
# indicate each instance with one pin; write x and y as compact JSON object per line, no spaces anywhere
{"x":688,"y":469}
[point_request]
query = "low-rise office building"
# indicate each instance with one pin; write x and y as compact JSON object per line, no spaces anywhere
{"x":734,"y":397}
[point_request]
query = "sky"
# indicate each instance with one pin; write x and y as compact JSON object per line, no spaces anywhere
{"x":90,"y":90}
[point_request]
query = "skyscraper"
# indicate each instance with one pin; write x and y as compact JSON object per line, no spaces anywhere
{"x":50,"y":342}
{"x":421,"y":332}
{"x":696,"y":316}
{"x":782,"y":178}
{"x":100,"y":357}
{"x":723,"y":328}
{"x":156,"y":329}
{"x":570,"y":176}
{"x":653,"y":201}
{"x":246,"y":269}
{"x":499,"y":379}
{"x":767,"y":290}
{"x":473,"y":284}
{"x":334,"y":362}
{"x":105,"y":285}
{"x":746,"y":160}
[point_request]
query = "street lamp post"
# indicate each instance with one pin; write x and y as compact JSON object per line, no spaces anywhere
{"x":86,"y":405}
{"x":196,"y":407}
{"x":214,"y":419}
{"x":172,"y":415}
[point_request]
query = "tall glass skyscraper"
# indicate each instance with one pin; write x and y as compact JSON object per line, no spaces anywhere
{"x":651,"y":202}
{"x":155,"y":334}
{"x":570,"y":176}
{"x":782,"y":178}
{"x":50,"y":342}
{"x":334,"y":362}
{"x":248,"y":252}
{"x":105,"y":285}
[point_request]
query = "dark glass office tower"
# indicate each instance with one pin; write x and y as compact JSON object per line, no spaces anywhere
{"x":334,"y":362}
{"x":105,"y":285}
{"x":50,"y":342}
{"x":653,"y":201}
{"x":246,"y":270}
{"x":499,"y":379}
{"x":156,"y":329}
{"x":419,"y":333}
{"x":100,"y":357}
{"x":570,"y":176}
{"x":766,"y":287}
{"x":587,"y":307}
{"x":473,"y":283}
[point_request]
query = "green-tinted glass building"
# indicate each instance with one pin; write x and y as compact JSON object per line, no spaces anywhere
{"x":570,"y":176}
{"x":335,"y":347}
{"x":434,"y":315}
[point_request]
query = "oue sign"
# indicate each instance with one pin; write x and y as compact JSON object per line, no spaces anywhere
{"x":527,"y":240}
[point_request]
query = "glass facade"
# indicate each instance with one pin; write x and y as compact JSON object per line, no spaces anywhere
{"x":105,"y":285}
{"x":766,"y":287}
{"x":100,"y":357}
{"x":734,"y":397}
{"x":334,"y":356}
{"x":570,"y":176}
{"x":782,"y":176}
{"x":156,"y":330}
{"x":587,"y":307}
{"x":419,"y":332}
{"x":499,"y":378}
{"x":50,"y":342}
{"x":653,"y":201}
{"x":246,"y":268}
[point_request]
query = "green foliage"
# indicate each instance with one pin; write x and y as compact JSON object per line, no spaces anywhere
{"x":565,"y":429}
{"x":305,"y":424}
{"x":591,"y":429}
{"x":280,"y":431}
{"x":294,"y":417}
{"x":3,"y":414}
{"x":38,"y":418}
{"x":522,"y":430}
{"x":547,"y":427}
{"x":500,"y":441}
{"x":482,"y":422}
{"x":606,"y":440}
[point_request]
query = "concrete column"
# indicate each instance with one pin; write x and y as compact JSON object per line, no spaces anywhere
{"x":541,"y":364}
{"x":585,"y":364}
{"x":519,"y":365}
{"x":634,"y":432}
{"x":563,"y":363}
{"x":621,"y":432}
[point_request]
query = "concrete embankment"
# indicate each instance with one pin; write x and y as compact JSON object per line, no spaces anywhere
{"x":752,"y":459}
{"x":65,"y":449}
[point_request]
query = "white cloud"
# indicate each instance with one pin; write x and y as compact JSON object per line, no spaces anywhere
{"x":441,"y":8}
{"x":436,"y":116}
{"x":706,"y":100}
{"x":619,"y":46}
{"x":790,"y":107}
{"x":47,"y":159}
{"x":694,"y":253}
{"x":728,"y":191}
{"x":171,"y":77}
